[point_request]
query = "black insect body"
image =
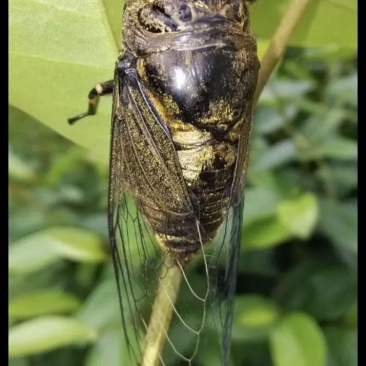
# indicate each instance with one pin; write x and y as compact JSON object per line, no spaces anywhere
{"x":182,"y":113}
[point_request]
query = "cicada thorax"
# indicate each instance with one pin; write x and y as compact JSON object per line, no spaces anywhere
{"x":196,"y":63}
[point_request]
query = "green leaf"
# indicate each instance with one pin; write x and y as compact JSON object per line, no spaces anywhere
{"x":339,"y":179}
{"x":267,"y":120}
{"x":344,"y":89}
{"x":285,"y":90}
{"x":335,"y":147}
{"x":19,"y":169}
{"x":107,"y":350}
{"x":254,"y":318}
{"x":298,"y":341}
{"x":299,"y":214}
{"x":43,"y":248}
{"x":64,"y":163}
{"x":55,"y":61}
{"x":40,"y":280}
{"x":345,"y":175}
{"x":320,"y":129}
{"x":47,"y":333}
{"x":79,"y":245}
{"x":18,"y":362}
{"x":260,"y":202}
{"x":333,"y":291}
{"x":278,"y":154}
{"x":329,"y":53}
{"x":339,"y":223}
{"x":264,"y":233}
{"x":255,"y":311}
{"x":104,"y":296}
{"x":30,"y":254}
{"x":113,"y":14}
{"x":253,"y":353}
{"x":325,"y":291}
{"x":324,"y":22}
{"x":351,"y":318}
{"x":260,"y":263}
{"x":342,"y":346}
{"x":43,"y":303}
{"x":207,"y":355}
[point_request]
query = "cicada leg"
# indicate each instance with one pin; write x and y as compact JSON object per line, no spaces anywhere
{"x":99,"y":90}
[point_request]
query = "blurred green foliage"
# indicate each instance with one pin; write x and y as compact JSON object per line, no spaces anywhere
{"x":297,"y":288}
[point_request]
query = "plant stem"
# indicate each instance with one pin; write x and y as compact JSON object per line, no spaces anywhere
{"x":279,"y":41}
{"x":158,"y":328}
{"x":169,"y":284}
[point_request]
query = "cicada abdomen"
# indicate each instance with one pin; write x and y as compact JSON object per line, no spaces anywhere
{"x":182,"y":114}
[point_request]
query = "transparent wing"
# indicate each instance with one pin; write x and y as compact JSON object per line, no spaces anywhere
{"x":225,"y":266}
{"x":226,"y":256}
{"x":149,"y":204}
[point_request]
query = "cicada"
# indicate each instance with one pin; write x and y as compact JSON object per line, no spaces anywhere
{"x":181,"y":121}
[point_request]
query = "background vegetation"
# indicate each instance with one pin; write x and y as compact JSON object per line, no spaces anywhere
{"x":297,"y":289}
{"x":296,"y":298}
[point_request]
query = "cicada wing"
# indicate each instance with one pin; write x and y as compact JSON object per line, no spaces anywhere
{"x":119,"y":221}
{"x":148,"y":204}
{"x":225,"y":261}
{"x":147,"y":198}
{"x":132,"y":245}
{"x":224,"y":267}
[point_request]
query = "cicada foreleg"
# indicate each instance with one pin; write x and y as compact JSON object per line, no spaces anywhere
{"x":99,"y":90}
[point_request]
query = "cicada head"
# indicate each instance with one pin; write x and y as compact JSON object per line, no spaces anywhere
{"x":166,"y":16}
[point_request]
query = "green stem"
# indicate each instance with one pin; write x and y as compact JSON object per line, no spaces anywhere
{"x":158,"y":328}
{"x":279,"y":41}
